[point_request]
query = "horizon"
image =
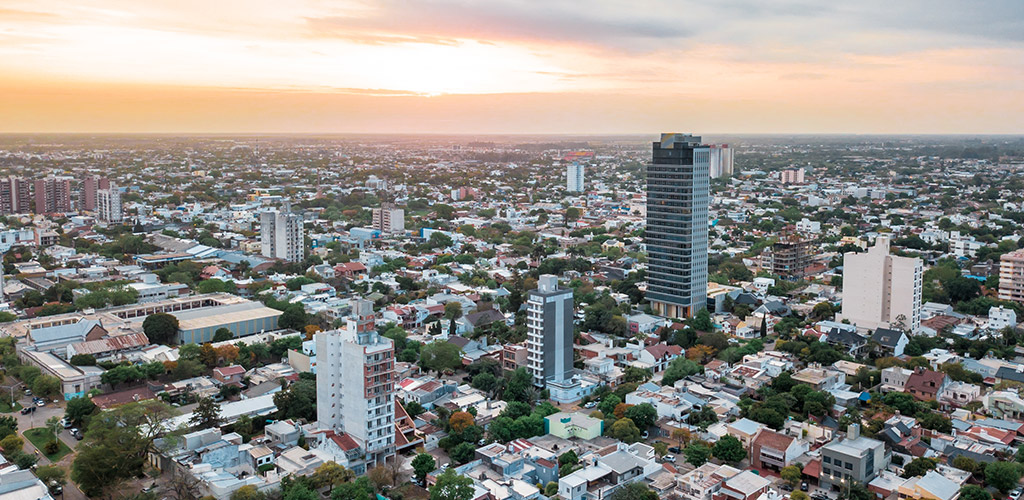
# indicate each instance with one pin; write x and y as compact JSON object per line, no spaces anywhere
{"x":512,"y":67}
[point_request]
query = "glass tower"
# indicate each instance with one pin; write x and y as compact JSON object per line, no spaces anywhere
{"x":677,"y":225}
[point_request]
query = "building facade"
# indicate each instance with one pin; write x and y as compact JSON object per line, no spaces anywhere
{"x":549,"y":328}
{"x":53,"y":195}
{"x":388,"y":219}
{"x":854,"y":459}
{"x":108,"y":205}
{"x":90,"y":185}
{"x":721,"y":161}
{"x":882,"y":290}
{"x":15,"y":196}
{"x":1011,"y":276}
{"x":356,"y":383}
{"x":677,"y":225}
{"x":574,"y":178}
{"x":281,"y":235}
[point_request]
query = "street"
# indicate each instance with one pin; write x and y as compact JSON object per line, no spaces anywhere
{"x":38,"y":418}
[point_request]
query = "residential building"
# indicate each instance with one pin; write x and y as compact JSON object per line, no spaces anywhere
{"x":882,"y":290}
{"x":895,"y":378}
{"x":356,"y":383}
{"x":108,"y":205}
{"x":514,"y":356}
{"x":773,"y":450}
{"x":15,"y":196}
{"x":820,"y":379}
{"x":389,"y":219}
{"x":1011,"y":276}
{"x":854,"y":458}
{"x":677,"y":225}
{"x":281,"y":235}
{"x":721,"y":161}
{"x":549,"y":323}
{"x":574,"y":177}
{"x":1000,"y":317}
{"x":925,"y":384}
{"x":931,"y":486}
{"x":747,"y":485}
{"x":573,"y":425}
{"x":891,"y":342}
{"x":705,"y":481}
{"x":792,"y":176}
{"x":789,"y":256}
{"x":90,"y":185}
{"x":53,"y":195}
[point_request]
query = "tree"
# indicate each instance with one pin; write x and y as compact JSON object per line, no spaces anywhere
{"x":360,"y":489}
{"x":702,"y":321}
{"x":633,"y":491}
{"x":117,"y":446}
{"x":633,"y":374}
{"x":381,"y":476}
{"x":422,"y":465}
{"x":791,"y":474}
{"x":8,"y":426}
{"x":920,"y":466}
{"x":936,"y":422}
{"x":47,"y":386}
{"x":1003,"y":475}
{"x":83,"y":360}
{"x":729,"y":449}
{"x":678,"y":369}
{"x":972,"y":492}
{"x":208,"y":355}
{"x":520,"y":387}
{"x":625,"y":430}
{"x":460,"y":420}
{"x":52,"y":475}
{"x":248,"y":492}
{"x":79,"y":409}
{"x":298,"y":401}
{"x":484,"y":381}
{"x":798,"y":495}
{"x":452,"y":486}
{"x":643,"y":415}
{"x":331,"y":474}
{"x":681,"y":435}
{"x":608,"y":404}
{"x":222,"y":334}
{"x":463,"y":452}
{"x":453,"y":310}
{"x":697,"y":454}
{"x":551,"y":489}
{"x":206,"y":414}
{"x":12,"y":443}
{"x":294,"y":316}
{"x":440,"y":355}
{"x":161,"y":328}
{"x":301,"y":492}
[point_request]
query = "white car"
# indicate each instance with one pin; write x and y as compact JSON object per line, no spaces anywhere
{"x":1015,"y":494}
{"x":669,"y":458}
{"x":590,"y":405}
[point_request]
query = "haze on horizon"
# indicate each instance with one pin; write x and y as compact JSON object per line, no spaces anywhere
{"x":512,"y":66}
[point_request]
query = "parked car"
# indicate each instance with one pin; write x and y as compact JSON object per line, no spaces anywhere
{"x":645,"y":435}
{"x":675,"y":449}
{"x":590,"y":405}
{"x":1015,"y":494}
{"x":66,"y":423}
{"x":803,"y":486}
{"x":670,"y":458}
{"x":787,"y":487}
{"x":28,"y":392}
{"x":28,"y":409}
{"x":41,"y":403}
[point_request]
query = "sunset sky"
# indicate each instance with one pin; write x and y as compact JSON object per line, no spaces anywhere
{"x":512,"y":66}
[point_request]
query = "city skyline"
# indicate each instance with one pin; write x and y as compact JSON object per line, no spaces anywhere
{"x":511,"y":67}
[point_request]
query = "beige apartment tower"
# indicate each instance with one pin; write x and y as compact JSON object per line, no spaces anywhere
{"x":882,"y":290}
{"x":1011,"y":276}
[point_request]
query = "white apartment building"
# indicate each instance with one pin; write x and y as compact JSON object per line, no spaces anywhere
{"x":574,"y":178}
{"x":281,"y":235}
{"x":388,"y":219}
{"x":721,"y":161}
{"x":792,"y":176}
{"x":549,"y":327}
{"x":355,"y":385}
{"x":1011,"y":276}
{"x":108,"y":205}
{"x":1001,"y":317}
{"x":882,"y":290}
{"x":964,"y":245}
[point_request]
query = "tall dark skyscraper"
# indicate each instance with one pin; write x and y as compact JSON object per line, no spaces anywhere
{"x":677,"y":225}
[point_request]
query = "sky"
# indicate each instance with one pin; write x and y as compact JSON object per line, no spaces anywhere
{"x":512,"y":66}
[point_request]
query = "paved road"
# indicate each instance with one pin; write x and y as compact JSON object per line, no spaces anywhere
{"x":38,"y":418}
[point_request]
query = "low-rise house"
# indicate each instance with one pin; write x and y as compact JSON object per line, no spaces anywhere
{"x":894,"y":378}
{"x":745,"y":430}
{"x":573,"y":425}
{"x":890,"y":342}
{"x":771,"y":450}
{"x":959,"y":393}
{"x":705,"y":481}
{"x":658,"y":356}
{"x":854,"y":458}
{"x":926,"y":385}
{"x":746,"y":485}
{"x":820,"y":379}
{"x":931,"y":486}
{"x":1004,"y":404}
{"x":608,"y":473}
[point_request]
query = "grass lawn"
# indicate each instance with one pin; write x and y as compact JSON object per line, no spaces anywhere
{"x":6,"y":408}
{"x":40,"y":436}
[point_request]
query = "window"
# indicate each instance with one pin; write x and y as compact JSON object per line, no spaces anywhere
{"x":849,"y":466}
{"x":827,"y":460}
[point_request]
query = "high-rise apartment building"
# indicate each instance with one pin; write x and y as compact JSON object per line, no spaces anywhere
{"x":53,"y":195}
{"x":355,"y":383}
{"x":281,"y":235}
{"x":574,"y":177}
{"x":677,"y":225}
{"x":1011,"y":276}
{"x":15,"y":196}
{"x":721,"y":161}
{"x":549,"y":330}
{"x":882,"y":290}
{"x":388,"y":219}
{"x":792,"y":176}
{"x":789,"y":256}
{"x":90,"y":185}
{"x":108,"y":205}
